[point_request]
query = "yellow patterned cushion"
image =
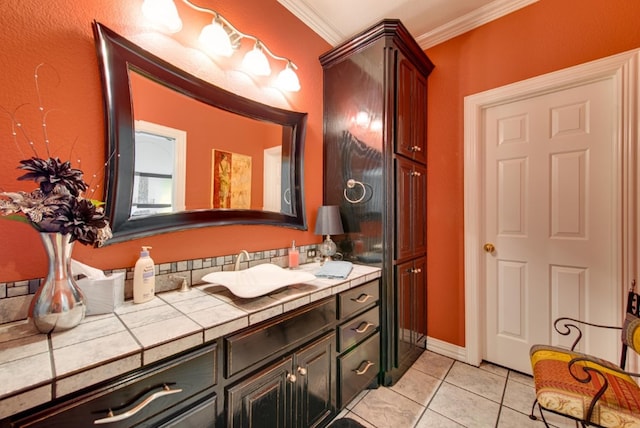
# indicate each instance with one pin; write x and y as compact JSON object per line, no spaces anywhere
{"x":558,"y":391}
{"x":631,"y":332}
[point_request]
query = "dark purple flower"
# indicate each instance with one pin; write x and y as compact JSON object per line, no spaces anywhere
{"x":53,"y":175}
{"x":81,"y":219}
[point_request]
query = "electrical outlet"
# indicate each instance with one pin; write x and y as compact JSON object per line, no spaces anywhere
{"x":311,"y":254}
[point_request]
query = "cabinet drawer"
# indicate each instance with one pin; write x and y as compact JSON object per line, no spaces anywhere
{"x":358,"y":368}
{"x":353,"y":301}
{"x":145,"y":394}
{"x":359,"y":328}
{"x":256,"y":344}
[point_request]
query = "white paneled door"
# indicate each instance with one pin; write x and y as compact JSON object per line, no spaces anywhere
{"x":550,"y":202}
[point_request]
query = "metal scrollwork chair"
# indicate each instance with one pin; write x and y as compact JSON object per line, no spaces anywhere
{"x":589,"y":390}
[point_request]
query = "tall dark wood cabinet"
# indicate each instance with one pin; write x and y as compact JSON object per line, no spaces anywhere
{"x":375,"y":164}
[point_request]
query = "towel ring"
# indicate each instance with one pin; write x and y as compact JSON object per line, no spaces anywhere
{"x":351,"y":183}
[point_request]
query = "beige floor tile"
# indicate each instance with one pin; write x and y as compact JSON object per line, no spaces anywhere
{"x":510,"y":418}
{"x":417,"y":386}
{"x":464,"y":407}
{"x":498,"y":370}
{"x":519,"y":396}
{"x":433,"y":364}
{"x":479,"y":381}
{"x":385,"y":408}
{"x":522,"y":378}
{"x":431,"y":419}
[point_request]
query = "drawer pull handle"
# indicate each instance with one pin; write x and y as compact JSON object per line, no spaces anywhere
{"x":115,"y":418}
{"x":364,"y":326}
{"x":362,"y":298}
{"x":367,"y":366}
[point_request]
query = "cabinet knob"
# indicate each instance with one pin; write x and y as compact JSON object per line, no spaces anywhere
{"x":416,"y":149}
{"x":415,"y":173}
{"x":291,"y":378}
{"x":302,"y":371}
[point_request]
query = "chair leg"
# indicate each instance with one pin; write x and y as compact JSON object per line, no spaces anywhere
{"x":533,"y":417}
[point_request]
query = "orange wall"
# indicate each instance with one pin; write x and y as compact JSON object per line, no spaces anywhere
{"x":60,"y":35}
{"x":546,"y":36}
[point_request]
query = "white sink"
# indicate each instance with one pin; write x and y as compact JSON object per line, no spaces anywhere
{"x":258,"y":280}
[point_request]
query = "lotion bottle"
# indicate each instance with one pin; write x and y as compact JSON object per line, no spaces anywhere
{"x":144,"y":278}
{"x":294,"y":256}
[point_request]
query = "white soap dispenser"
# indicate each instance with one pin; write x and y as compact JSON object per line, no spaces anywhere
{"x":144,"y":278}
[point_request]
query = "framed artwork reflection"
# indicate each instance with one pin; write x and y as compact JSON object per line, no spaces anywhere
{"x":230,"y":180}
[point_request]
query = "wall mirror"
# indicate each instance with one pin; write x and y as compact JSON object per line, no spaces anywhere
{"x":190,"y":154}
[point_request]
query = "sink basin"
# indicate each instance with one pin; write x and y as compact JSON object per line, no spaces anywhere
{"x":258,"y":280}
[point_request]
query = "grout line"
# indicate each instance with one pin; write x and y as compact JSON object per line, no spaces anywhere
{"x":504,"y":393}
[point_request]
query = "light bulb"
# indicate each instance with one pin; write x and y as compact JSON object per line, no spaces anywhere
{"x":288,"y":79}
{"x":363,"y":119}
{"x":255,"y":62}
{"x":162,"y":13}
{"x":215,"y":40}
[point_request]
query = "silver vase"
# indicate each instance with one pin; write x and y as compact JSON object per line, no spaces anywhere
{"x":59,"y":303}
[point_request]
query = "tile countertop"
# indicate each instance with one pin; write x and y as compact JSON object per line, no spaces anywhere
{"x":35,"y":368}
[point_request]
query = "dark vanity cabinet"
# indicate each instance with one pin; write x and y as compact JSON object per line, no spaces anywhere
{"x":176,"y":393}
{"x":375,"y":167}
{"x":295,"y":385}
{"x":296,"y":391}
{"x":296,"y":370}
{"x":317,"y":360}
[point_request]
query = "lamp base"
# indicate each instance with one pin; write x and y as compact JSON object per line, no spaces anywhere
{"x":327,"y":249}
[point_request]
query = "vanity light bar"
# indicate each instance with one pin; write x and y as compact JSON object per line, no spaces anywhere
{"x":222,"y":38}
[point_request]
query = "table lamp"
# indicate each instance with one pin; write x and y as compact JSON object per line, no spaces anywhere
{"x":328,"y":223}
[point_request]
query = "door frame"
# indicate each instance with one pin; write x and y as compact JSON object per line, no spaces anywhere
{"x":624,"y":70}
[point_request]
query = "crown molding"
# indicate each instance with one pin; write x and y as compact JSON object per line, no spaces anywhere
{"x":471,"y":20}
{"x":313,"y":20}
{"x":494,"y":10}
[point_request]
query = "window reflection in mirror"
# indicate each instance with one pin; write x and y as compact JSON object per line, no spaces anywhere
{"x":229,"y":157}
{"x":159,"y":169}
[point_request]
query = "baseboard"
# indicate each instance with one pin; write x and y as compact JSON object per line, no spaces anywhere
{"x":447,"y":349}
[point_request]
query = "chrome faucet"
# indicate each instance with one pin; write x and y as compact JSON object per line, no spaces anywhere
{"x":239,"y":258}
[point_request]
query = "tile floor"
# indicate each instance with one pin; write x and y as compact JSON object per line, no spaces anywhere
{"x":440,"y":392}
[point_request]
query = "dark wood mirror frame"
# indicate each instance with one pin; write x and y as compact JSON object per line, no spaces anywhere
{"x":116,"y":56}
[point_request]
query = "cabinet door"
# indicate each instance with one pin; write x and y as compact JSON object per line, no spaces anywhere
{"x":263,"y":400}
{"x":411,"y":106}
{"x":419,"y":290}
{"x":411,"y":310}
{"x":411,"y":223}
{"x":419,"y":118}
{"x":315,"y":383}
{"x":419,"y":210}
{"x":404,"y":307}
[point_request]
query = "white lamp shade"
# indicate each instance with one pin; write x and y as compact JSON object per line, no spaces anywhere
{"x":255,"y":62}
{"x":162,"y":13}
{"x":215,"y":40}
{"x":288,"y":80}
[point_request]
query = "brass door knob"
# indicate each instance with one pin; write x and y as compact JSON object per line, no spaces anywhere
{"x":489,"y":247}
